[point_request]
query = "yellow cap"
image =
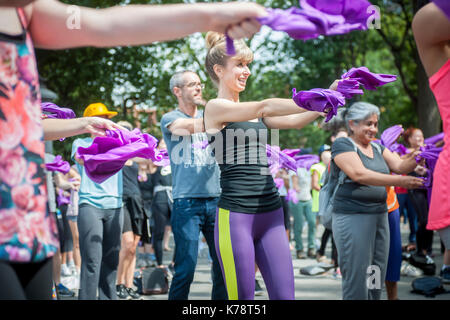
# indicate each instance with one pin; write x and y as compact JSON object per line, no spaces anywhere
{"x":98,"y":109}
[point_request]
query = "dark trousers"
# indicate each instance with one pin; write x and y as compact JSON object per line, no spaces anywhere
{"x":424,"y":237}
{"x":189,"y":217}
{"x":100,"y":235}
{"x":26,"y":281}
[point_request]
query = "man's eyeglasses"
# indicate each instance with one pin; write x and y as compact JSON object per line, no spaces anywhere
{"x":195,"y":84}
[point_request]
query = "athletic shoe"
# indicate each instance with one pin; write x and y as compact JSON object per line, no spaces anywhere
{"x":300,"y":254}
{"x":258,"y":290}
{"x":311,"y":253}
{"x":445,"y":275}
{"x":133,"y":294}
{"x":337,"y":274}
{"x":410,"y":271}
{"x":122,"y":292}
{"x":63,"y":291}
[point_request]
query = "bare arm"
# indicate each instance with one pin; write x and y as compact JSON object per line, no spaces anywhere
{"x":55,"y":129}
{"x":295,"y":185}
{"x":185,"y":127}
{"x":293,"y":121}
{"x":315,"y":181}
{"x":351,"y":164}
{"x":431,"y":30}
{"x":136,"y":24}
{"x":399,"y":165}
{"x":221,"y":111}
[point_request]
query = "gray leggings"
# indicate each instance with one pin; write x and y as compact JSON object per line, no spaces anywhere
{"x":100,"y":233}
{"x":362,"y":240}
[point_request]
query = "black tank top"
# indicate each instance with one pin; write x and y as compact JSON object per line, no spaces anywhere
{"x":130,"y":180}
{"x":245,"y":179}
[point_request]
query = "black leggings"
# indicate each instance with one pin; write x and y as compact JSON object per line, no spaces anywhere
{"x":64,"y":231}
{"x":326,"y":234}
{"x":161,"y":218}
{"x":26,"y":281}
{"x":424,"y":237}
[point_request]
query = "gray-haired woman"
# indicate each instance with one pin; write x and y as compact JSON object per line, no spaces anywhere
{"x":360,"y":221}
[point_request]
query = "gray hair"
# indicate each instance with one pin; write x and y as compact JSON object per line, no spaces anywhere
{"x":360,"y":111}
{"x":177,"y":79}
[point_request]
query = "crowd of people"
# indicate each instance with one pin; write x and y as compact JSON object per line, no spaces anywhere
{"x":218,"y":183}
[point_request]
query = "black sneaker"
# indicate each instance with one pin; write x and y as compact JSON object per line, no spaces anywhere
{"x":133,"y":294}
{"x":258,"y":290}
{"x":63,"y":291}
{"x":122,"y":292}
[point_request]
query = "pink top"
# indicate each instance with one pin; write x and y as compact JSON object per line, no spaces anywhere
{"x":439,"y":214}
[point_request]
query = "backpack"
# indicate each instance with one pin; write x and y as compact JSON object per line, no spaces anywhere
{"x":428,"y":286}
{"x":152,"y":280}
{"x":333,"y":177}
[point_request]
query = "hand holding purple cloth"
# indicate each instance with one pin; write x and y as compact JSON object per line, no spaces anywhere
{"x":320,"y":100}
{"x":58,"y":165}
{"x":107,"y":155}
{"x":278,"y":159}
{"x":349,"y":87}
{"x":62,"y":199}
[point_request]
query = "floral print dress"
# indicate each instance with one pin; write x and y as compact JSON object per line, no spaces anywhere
{"x":28,"y":231}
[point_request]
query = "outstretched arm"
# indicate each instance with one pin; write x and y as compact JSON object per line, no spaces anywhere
{"x":431,"y":30}
{"x":137,"y":24}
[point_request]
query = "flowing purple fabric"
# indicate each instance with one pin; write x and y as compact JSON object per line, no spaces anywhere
{"x":277,"y":159}
{"x":279,"y":182}
{"x":62,"y":199}
{"x":56,"y":112}
{"x":306,"y":160}
{"x":349,"y":87}
{"x":291,"y":152}
{"x":444,"y":5}
{"x":292,"y":196}
{"x":369,"y":80}
{"x":200,"y":145}
{"x":107,"y":155}
{"x":165,"y":161}
{"x":390,"y":136}
{"x":58,"y":165}
{"x":321,"y":100}
{"x":434,"y":139}
{"x":315,"y":18}
{"x":399,"y":148}
{"x":431,"y":154}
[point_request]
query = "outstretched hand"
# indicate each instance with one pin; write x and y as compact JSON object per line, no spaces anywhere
{"x":98,"y":126}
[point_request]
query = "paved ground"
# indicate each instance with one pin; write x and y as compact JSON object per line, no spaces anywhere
{"x":322,"y":287}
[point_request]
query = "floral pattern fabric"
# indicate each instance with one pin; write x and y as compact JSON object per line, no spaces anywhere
{"x":28,"y":232}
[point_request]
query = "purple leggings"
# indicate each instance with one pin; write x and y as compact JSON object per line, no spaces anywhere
{"x":243,"y":238}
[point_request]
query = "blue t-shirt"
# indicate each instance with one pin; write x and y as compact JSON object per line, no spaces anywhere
{"x":106,"y":195}
{"x":195,"y":173}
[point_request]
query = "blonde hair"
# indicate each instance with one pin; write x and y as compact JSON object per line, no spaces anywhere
{"x":217,"y":53}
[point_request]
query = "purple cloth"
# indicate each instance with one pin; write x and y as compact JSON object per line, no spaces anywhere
{"x":62,"y":199}
{"x":165,"y":161}
{"x":349,"y":87}
{"x":321,"y":100}
{"x":107,"y":155}
{"x":434,"y":139}
{"x":431,"y":154}
{"x":56,"y":112}
{"x":58,"y":165}
{"x":291,"y":152}
{"x":292,"y":196}
{"x":390,"y":136}
{"x":279,"y":182}
{"x":277,"y":159}
{"x":306,"y":160}
{"x":315,"y":18}
{"x":399,"y":148}
{"x":367,"y":79}
{"x":444,"y":5}
{"x":200,"y":145}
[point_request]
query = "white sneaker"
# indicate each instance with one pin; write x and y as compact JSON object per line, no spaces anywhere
{"x":409,"y":270}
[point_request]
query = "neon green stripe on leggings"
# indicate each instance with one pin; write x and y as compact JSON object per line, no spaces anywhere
{"x":226,"y":253}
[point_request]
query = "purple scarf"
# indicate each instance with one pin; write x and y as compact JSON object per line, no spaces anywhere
{"x":62,"y":199}
{"x":349,"y":87}
{"x":390,"y":136}
{"x":321,"y":100}
{"x":165,"y":161}
{"x":291,"y":152}
{"x":369,"y":80}
{"x":278,"y":159}
{"x":431,"y":155}
{"x":306,"y":160}
{"x":107,"y":155}
{"x":56,"y":112}
{"x":292,"y":196}
{"x":315,"y":18}
{"x":58,"y":165}
{"x":434,"y":139}
{"x":444,"y":5}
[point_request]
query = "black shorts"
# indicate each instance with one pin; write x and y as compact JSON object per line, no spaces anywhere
{"x":133,"y":216}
